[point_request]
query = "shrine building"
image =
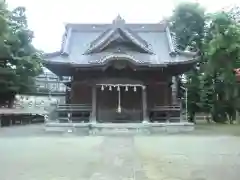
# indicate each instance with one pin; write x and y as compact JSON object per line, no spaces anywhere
{"x":120,"y":72}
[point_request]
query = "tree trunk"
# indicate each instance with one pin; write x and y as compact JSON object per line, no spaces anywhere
{"x":191,"y":117}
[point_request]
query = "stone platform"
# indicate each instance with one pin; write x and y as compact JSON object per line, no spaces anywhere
{"x":118,"y":128}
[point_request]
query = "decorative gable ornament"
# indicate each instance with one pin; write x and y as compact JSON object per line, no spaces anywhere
{"x":118,"y":56}
{"x":118,"y":21}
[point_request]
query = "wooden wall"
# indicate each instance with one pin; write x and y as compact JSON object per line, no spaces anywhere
{"x":158,"y":94}
{"x":158,"y":90}
{"x":81,"y":94}
{"x":131,"y":104}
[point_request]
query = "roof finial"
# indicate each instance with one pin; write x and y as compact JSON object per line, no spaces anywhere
{"x":118,"y":20}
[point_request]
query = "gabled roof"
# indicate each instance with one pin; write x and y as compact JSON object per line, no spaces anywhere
{"x":118,"y":32}
{"x":87,"y":45}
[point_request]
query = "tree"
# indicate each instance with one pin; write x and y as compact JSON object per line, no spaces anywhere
{"x":223,"y":54}
{"x":187,"y":23}
{"x":212,"y":83}
{"x":20,"y":62}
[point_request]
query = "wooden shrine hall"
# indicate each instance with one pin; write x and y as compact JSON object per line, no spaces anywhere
{"x":120,"y":72}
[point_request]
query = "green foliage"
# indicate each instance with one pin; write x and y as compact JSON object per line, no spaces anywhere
{"x":223,"y":53}
{"x":207,"y":94}
{"x":20,"y":62}
{"x":188,"y":22}
{"x":212,"y":84}
{"x":193,"y":88}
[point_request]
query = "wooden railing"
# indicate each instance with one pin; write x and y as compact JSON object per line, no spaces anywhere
{"x":77,"y":112}
{"x":82,"y":112}
{"x":165,"y":113}
{"x":74,"y":107}
{"x":166,"y":108}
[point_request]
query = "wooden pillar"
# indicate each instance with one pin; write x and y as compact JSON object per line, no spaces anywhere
{"x":144,"y":105}
{"x":174,"y":90}
{"x":68,"y":95}
{"x":94,"y":104}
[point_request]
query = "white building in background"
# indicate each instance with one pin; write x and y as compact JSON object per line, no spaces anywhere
{"x":46,"y":103}
{"x":50,"y":92}
{"x":49,"y":82}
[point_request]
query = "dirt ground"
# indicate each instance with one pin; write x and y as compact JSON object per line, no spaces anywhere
{"x":27,"y":153}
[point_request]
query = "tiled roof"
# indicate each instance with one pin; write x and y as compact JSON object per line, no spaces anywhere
{"x":155,"y":39}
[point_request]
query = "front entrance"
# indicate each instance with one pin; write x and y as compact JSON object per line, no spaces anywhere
{"x":119,"y":104}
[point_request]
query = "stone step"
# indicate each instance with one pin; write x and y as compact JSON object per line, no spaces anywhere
{"x":118,"y":131}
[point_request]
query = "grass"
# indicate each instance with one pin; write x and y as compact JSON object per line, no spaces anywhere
{"x":202,"y":128}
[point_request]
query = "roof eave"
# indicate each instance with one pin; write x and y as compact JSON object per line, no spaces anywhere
{"x":187,"y":53}
{"x":192,"y":60}
{"x":54,"y":54}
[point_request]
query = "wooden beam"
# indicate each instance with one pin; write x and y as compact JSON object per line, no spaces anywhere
{"x":94,"y":104}
{"x":174,"y":90}
{"x":144,"y":105}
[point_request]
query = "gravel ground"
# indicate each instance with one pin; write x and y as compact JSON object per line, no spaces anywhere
{"x":27,"y":153}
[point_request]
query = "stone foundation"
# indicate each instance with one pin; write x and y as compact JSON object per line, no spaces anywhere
{"x":119,"y":129}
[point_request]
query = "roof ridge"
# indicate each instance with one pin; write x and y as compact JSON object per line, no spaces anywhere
{"x":100,"y":36}
{"x":94,"y":44}
{"x":142,"y":43}
{"x":173,"y":45}
{"x":137,"y":36}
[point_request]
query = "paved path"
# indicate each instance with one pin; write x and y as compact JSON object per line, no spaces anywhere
{"x":118,"y":159}
{"x":69,"y":157}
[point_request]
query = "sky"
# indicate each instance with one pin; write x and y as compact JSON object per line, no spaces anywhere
{"x":47,"y":17}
